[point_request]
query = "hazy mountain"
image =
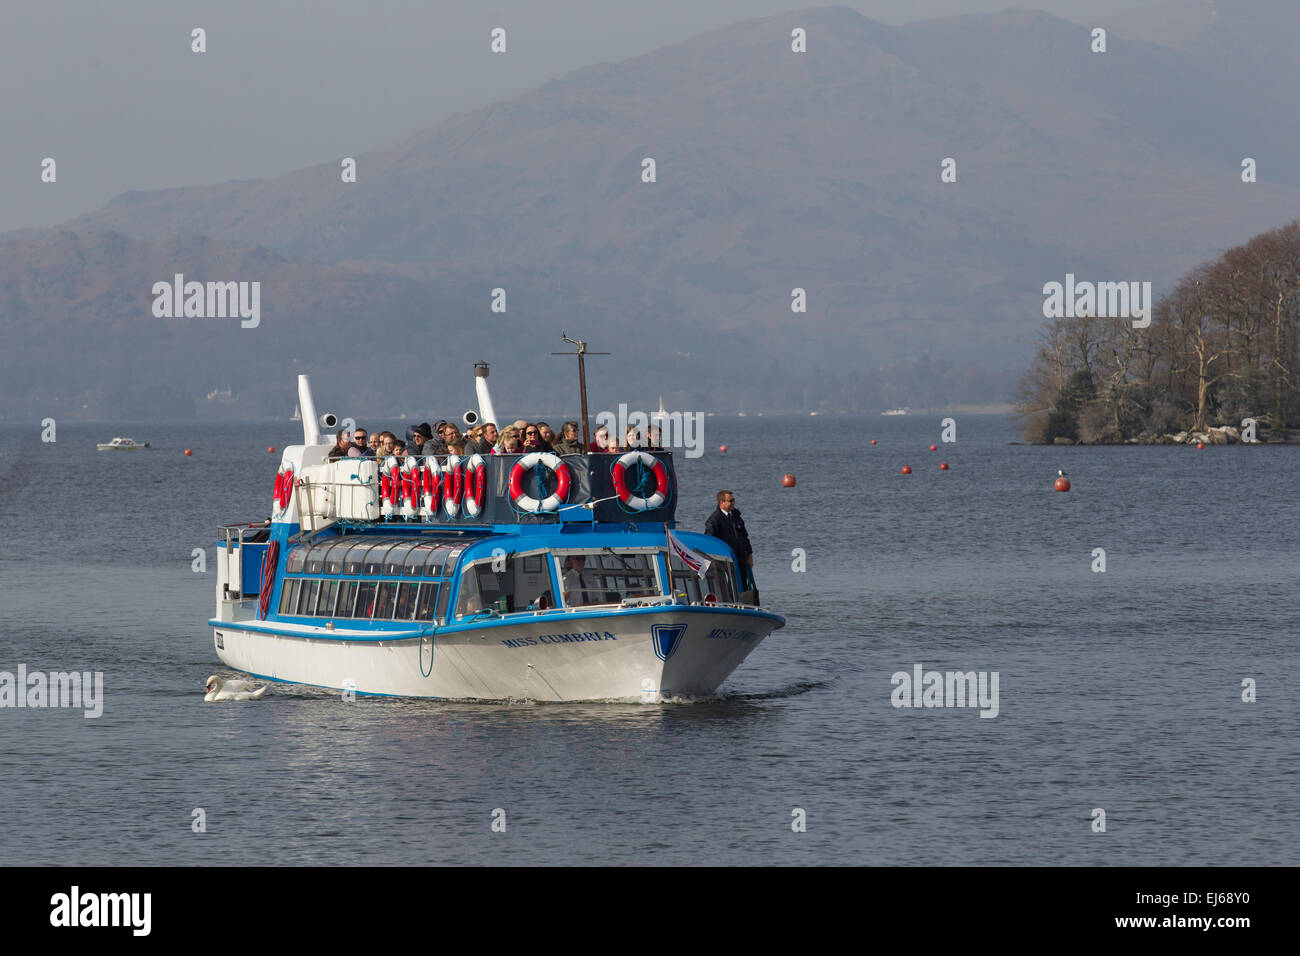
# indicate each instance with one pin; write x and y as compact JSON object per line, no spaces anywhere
{"x":775,"y":170}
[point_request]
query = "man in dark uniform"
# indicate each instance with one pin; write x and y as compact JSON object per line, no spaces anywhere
{"x":726,"y":523}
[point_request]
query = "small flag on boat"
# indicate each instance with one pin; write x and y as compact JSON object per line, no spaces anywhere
{"x":696,"y":562}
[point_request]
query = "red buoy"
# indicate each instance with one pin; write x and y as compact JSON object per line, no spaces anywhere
{"x":270,"y":449}
{"x":1062,"y":484}
{"x":907,"y":469}
{"x":188,"y":452}
{"x":873,"y":441}
{"x":722,"y":448}
{"x":787,"y":481}
{"x":934,"y":448}
{"x":943,"y":466}
{"x":1200,"y":446}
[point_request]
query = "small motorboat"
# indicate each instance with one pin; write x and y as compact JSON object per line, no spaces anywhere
{"x":122,"y":444}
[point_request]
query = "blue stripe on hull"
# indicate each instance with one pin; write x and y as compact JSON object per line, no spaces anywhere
{"x":511,"y":621}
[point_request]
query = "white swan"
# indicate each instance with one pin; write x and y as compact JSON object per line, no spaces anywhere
{"x":217,"y":689}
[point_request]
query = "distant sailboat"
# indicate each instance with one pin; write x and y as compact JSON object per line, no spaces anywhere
{"x":297,"y":414}
{"x":661,"y":414}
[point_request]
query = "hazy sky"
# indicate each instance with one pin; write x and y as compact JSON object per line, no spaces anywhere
{"x":112,"y":92}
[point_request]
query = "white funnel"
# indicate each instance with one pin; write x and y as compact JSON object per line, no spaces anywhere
{"x":485,"y":411}
{"x":310,"y":430}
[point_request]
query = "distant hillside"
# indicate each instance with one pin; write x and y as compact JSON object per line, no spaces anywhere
{"x":775,"y":170}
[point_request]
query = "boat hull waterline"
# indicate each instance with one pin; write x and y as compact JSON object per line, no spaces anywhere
{"x":649,"y":654}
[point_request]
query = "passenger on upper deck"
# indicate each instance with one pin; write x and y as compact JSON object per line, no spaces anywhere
{"x":546,"y":434}
{"x":359,"y":448}
{"x":455,"y":443}
{"x":510,"y":443}
{"x":600,"y":441}
{"x":374,"y":444}
{"x":570,"y":443}
{"x":435,"y":445}
{"x":386,"y":442}
{"x":416,"y":436}
{"x":472,"y":437}
{"x":533,"y":440}
{"x":340,"y":449}
{"x":481,"y":439}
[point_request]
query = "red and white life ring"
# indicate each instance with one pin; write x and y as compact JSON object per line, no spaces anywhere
{"x":475,"y":485}
{"x":390,"y":485}
{"x":453,"y":485}
{"x":526,"y":464}
{"x":432,"y":482}
{"x":625,"y":496}
{"x":410,"y":488}
{"x":284,"y":487}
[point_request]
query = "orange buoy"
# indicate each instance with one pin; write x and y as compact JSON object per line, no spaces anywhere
{"x":722,"y":448}
{"x":873,"y":441}
{"x":1200,"y":446}
{"x":188,"y":452}
{"x":1062,"y":484}
{"x":907,"y":469}
{"x":943,"y":466}
{"x":934,"y":448}
{"x":787,"y":481}
{"x":270,"y":449}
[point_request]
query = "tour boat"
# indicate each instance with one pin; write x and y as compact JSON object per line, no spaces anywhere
{"x":496,"y":577}
{"x":121,"y":444}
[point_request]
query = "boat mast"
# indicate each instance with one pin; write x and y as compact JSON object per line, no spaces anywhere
{"x":582,"y":381}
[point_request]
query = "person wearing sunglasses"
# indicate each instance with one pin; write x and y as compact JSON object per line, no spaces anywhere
{"x":533,"y":440}
{"x":727,"y":524}
{"x":359,"y":447}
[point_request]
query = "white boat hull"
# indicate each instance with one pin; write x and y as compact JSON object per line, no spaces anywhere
{"x":559,"y":658}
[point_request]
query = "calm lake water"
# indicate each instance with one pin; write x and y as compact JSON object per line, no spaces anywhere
{"x":1120,"y":691}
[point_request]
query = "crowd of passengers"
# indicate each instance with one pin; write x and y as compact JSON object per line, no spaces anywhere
{"x":521,"y":438}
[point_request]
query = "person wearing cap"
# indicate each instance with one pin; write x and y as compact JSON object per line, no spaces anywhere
{"x":435,"y":445}
{"x":417,"y":436}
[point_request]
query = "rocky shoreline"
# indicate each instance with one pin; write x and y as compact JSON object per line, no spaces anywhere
{"x":1215,"y":435}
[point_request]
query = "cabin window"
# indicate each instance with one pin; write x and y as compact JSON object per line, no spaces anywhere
{"x":434,"y":562}
{"x":606,"y":577}
{"x":365,"y":606}
{"x":289,"y":596}
{"x":413,"y":562}
{"x":469,"y":601}
{"x":395,"y":561}
{"x":385,"y":598}
{"x":307,"y":598}
{"x":444,"y":596}
{"x":428,"y":594}
{"x":406,"y":594}
{"x":347,"y":598}
{"x":316,"y":559}
{"x":325,"y":603}
{"x":352,"y":563}
{"x":334,"y":559}
{"x":719,"y":580}
{"x":373,"y":562}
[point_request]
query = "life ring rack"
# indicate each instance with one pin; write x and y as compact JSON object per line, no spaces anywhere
{"x":529,"y":504}
{"x":663,"y":485}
